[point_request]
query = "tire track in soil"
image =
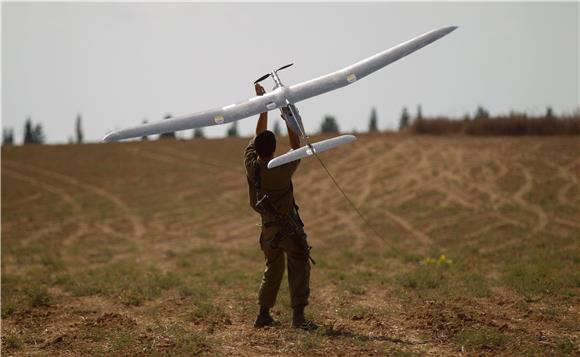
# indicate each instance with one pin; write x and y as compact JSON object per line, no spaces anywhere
{"x":571,"y":179}
{"x":138,"y":227}
{"x":380,"y":164}
{"x":404,"y":186}
{"x":359,"y":230}
{"x":224,"y":187}
{"x":439,"y":184}
{"x":495,"y":200}
{"x":235,"y":168}
{"x":227,"y":231}
{"x":455,"y":173}
{"x":518,"y":198}
{"x":568,"y":223}
{"x":82,"y":227}
{"x":488,"y":181}
{"x":524,"y":190}
{"x":487,"y":184}
{"x":26,"y":200}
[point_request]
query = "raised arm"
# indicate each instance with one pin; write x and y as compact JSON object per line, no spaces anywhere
{"x":263,"y":119}
{"x":293,"y":138}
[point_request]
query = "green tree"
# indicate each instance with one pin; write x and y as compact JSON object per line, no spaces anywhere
{"x":233,"y":129}
{"x":373,"y":125}
{"x":28,"y":132}
{"x":419,"y":112}
{"x":38,"y":134}
{"x":7,"y":136}
{"x":481,"y":113}
{"x":33,"y":134}
{"x":549,"y":113}
{"x":169,"y":135}
{"x":79,"y":129}
{"x":329,"y":125}
{"x":404,"y":121}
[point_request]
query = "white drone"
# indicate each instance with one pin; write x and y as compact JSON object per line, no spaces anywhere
{"x":284,"y":96}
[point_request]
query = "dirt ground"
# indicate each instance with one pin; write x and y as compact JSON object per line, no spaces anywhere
{"x":151,"y":248}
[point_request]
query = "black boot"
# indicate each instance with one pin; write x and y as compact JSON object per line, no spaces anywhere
{"x":299,"y":321}
{"x":264,"y":318}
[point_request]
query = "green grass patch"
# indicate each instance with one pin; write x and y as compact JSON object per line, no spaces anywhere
{"x":130,"y":282}
{"x":38,"y":296}
{"x":170,"y":253}
{"x":207,"y":311}
{"x":52,"y":262}
{"x":193,"y":290}
{"x":10,"y":300}
{"x":443,"y":277}
{"x":106,"y":337}
{"x":564,"y":345}
{"x":475,"y":284}
{"x":484,"y":338}
{"x":20,"y":293}
{"x":228,"y":278}
{"x":186,"y":343}
{"x":424,"y":277}
{"x":307,"y":342}
{"x":541,"y":276}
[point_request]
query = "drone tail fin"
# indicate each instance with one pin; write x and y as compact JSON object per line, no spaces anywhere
{"x":310,"y":150}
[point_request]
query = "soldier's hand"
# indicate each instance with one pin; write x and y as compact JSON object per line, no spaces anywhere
{"x":259,"y":89}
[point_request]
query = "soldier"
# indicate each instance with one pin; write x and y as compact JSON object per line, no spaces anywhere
{"x":277,"y":239}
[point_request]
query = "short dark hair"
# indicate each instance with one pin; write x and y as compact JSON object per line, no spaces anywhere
{"x":265,"y":143}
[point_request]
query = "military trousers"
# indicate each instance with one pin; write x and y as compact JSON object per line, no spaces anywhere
{"x":286,"y":251}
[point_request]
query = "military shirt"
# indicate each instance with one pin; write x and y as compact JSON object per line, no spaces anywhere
{"x":276,"y":182}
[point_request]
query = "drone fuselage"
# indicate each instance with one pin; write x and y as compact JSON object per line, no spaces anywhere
{"x":293,"y":118}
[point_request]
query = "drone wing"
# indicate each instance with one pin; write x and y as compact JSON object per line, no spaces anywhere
{"x":283,"y":96}
{"x":362,"y":68}
{"x":227,"y":114}
{"x":306,"y":151}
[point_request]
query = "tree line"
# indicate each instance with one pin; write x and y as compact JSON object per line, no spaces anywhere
{"x":480,"y":123}
{"x":513,"y":123}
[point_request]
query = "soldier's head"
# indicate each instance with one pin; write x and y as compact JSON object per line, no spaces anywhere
{"x":265,"y":144}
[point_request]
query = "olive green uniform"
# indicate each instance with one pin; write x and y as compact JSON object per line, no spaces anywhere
{"x":277,"y":183}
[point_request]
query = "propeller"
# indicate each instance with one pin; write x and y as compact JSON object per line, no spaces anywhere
{"x":286,"y":66}
{"x":262,"y":78}
{"x":269,"y":74}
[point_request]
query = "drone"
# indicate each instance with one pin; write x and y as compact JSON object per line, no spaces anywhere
{"x":285,"y":98}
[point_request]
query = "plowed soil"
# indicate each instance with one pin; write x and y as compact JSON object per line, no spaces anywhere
{"x":151,"y":248}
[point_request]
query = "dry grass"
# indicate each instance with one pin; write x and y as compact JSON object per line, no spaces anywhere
{"x":150,"y":248}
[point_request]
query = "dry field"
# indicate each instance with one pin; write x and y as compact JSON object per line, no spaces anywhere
{"x":150,"y":248}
